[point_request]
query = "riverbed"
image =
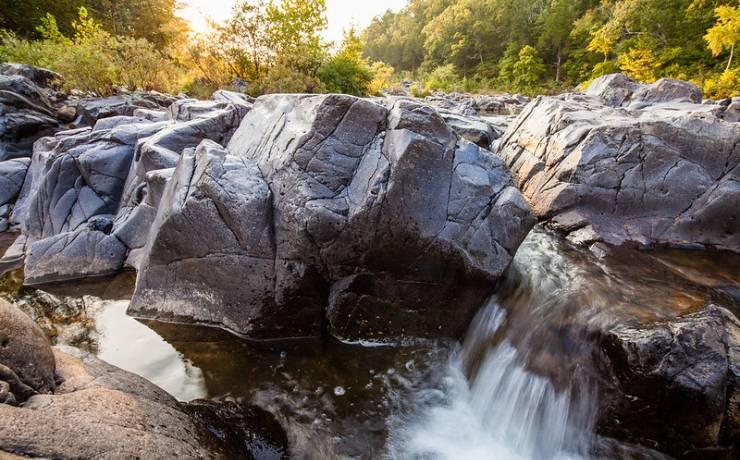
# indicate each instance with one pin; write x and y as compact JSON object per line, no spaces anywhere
{"x":520,"y":385}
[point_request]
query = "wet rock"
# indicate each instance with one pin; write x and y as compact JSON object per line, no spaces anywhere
{"x":100,"y":411}
{"x":26,"y":361}
{"x":665,"y":174}
{"x":675,"y":385}
{"x":385,"y":215}
{"x":254,"y":430}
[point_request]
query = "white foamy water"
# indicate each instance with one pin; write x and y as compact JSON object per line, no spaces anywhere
{"x":504,"y":412}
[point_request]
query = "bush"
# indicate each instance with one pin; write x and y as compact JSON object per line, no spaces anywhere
{"x":342,"y":74}
{"x":382,"y":78}
{"x":443,"y":78}
{"x":92,"y":60}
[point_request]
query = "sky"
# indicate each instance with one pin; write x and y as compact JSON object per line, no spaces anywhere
{"x":341,"y":14}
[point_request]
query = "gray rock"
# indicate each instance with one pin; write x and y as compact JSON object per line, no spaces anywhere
{"x":667,"y":174}
{"x":100,"y":411}
{"x":40,"y":76}
{"x":26,"y":361}
{"x":617,"y":90}
{"x":385,"y":215}
{"x":674,"y":385}
{"x":614,"y":89}
{"x":473,"y":129}
{"x":86,"y":252}
{"x":90,"y":110}
{"x":12,"y":175}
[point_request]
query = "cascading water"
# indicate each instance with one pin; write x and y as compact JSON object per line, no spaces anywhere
{"x":523,"y":385}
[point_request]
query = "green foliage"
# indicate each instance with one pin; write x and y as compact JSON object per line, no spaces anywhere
{"x":92,"y":59}
{"x":575,"y":41}
{"x":153,"y":20}
{"x":347,"y":72}
{"x":443,"y":78}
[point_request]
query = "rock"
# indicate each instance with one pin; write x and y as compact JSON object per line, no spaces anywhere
{"x":26,"y":362}
{"x":384,"y":222}
{"x":88,"y":251}
{"x":232,"y":96}
{"x":40,"y":76}
{"x":667,"y":90}
{"x":674,"y":385}
{"x":503,"y":104}
{"x":12,"y":175}
{"x":614,"y":89}
{"x":26,"y":114}
{"x":667,"y":174}
{"x":617,"y":90}
{"x":90,"y":110}
{"x":102,"y":411}
{"x":473,"y":129}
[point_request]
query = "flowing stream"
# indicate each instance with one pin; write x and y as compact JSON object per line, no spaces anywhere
{"x":521,"y":385}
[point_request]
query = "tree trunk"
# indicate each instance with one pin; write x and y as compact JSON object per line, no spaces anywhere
{"x":732,"y":54}
{"x":557,"y":67}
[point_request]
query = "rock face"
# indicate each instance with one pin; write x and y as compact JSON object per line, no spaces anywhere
{"x":383,"y":222}
{"x":101,"y":411}
{"x":663,"y":174}
{"x":26,"y":361}
{"x":675,"y":385}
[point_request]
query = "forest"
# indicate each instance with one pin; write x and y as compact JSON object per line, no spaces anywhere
{"x":522,"y":46}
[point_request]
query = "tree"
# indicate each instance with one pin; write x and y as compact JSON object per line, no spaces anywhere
{"x":528,"y":70}
{"x":726,"y":33}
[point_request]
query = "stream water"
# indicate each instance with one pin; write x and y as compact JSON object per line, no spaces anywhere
{"x":521,"y":385}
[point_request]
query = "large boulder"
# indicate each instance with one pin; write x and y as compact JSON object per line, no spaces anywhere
{"x":100,"y":411}
{"x":665,"y":174}
{"x":383,"y":222}
{"x":26,"y":362}
{"x":675,"y":385}
{"x":12,"y":175}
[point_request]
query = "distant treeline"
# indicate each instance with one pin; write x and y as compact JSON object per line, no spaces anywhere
{"x":533,"y":46}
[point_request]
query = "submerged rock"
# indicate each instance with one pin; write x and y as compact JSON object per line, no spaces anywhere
{"x":675,"y":385}
{"x":664,"y":174}
{"x":99,"y":410}
{"x":382,"y":221}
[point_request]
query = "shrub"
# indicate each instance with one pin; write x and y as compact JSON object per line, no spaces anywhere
{"x":342,"y":74}
{"x":92,"y":60}
{"x":726,"y":84}
{"x":443,"y":78}
{"x":382,"y":77}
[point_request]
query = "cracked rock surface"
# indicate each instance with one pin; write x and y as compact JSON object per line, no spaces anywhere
{"x":381,"y":222}
{"x":675,"y":384}
{"x":667,"y":173}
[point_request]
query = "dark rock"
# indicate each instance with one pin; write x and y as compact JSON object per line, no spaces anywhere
{"x":90,"y":110}
{"x":247,"y":431}
{"x":386,"y":215}
{"x":674,"y":385}
{"x":26,"y":360}
{"x":617,"y":90}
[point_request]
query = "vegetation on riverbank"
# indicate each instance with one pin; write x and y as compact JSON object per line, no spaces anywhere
{"x":526,"y":46}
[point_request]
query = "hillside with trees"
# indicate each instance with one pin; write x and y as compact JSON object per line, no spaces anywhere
{"x":524,"y":46}
{"x":535,"y":46}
